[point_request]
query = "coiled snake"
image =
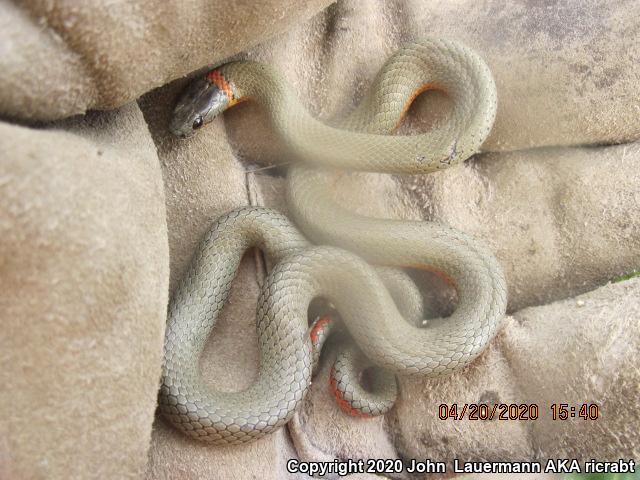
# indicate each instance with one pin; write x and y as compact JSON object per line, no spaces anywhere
{"x":371,"y":301}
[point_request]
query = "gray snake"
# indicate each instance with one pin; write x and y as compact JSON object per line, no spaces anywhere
{"x":369,"y":299}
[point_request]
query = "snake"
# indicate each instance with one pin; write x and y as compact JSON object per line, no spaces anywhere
{"x":325,"y":250}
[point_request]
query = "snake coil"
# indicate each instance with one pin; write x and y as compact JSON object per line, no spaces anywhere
{"x":374,"y":302}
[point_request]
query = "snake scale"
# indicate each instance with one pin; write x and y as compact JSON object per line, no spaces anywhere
{"x":374,"y":303}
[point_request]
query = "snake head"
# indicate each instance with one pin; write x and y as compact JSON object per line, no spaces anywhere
{"x":199,"y":104}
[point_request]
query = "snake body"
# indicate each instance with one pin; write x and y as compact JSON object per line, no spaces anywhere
{"x":369,"y":300}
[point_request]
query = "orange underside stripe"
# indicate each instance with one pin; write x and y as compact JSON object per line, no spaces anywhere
{"x":427,"y":268}
{"x":216,"y":77}
{"x":317,"y":327}
{"x":407,"y":105}
{"x":344,"y":405}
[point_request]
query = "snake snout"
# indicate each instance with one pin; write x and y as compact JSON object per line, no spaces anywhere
{"x":176,"y":129}
{"x":198,"y":105}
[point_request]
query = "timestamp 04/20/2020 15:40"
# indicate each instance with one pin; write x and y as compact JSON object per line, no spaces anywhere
{"x":516,"y":411}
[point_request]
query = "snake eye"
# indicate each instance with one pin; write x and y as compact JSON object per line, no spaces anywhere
{"x":197,"y":123}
